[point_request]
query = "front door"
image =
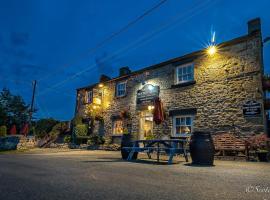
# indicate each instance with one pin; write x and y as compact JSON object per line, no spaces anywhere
{"x":146,"y":125}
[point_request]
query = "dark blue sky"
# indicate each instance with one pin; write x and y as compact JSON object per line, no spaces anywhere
{"x":51,"y":40}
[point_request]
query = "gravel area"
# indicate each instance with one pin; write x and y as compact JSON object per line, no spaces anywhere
{"x":76,"y":174}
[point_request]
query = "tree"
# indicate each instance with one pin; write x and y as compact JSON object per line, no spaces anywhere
{"x":13,"y":109}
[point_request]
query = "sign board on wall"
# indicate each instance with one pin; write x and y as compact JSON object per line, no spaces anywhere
{"x":147,"y":94}
{"x":252,"y":109}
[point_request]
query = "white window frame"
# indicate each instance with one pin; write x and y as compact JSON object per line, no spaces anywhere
{"x":125,"y":88}
{"x":86,"y":98}
{"x":90,"y":100}
{"x":174,"y":125}
{"x":114,"y":122}
{"x":185,"y":74}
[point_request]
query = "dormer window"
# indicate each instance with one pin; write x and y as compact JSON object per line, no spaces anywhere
{"x":185,"y":73}
{"x":121,"y":89}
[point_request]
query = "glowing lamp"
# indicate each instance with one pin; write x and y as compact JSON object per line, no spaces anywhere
{"x":150,"y":87}
{"x":100,"y":85}
{"x":211,"y":50}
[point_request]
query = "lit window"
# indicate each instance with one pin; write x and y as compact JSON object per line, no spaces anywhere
{"x":121,"y":89}
{"x":182,"y":125}
{"x":89,"y":97}
{"x":185,"y":73}
{"x":118,"y":127}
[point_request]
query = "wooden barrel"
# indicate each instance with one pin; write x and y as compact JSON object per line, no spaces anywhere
{"x":202,"y":148}
{"x":127,"y":141}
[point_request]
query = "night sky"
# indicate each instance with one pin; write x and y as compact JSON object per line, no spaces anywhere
{"x":53,"y":41}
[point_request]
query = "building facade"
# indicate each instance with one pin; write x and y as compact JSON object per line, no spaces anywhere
{"x":216,"y":90}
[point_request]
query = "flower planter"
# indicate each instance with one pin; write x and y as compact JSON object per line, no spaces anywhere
{"x":263,"y":156}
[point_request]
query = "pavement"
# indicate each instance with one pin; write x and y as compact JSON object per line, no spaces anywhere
{"x":97,"y":175}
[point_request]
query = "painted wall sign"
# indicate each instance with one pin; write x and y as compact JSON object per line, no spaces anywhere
{"x":147,"y":94}
{"x":252,"y":109}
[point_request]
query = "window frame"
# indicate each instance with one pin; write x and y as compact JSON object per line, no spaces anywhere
{"x":87,"y":96}
{"x":183,"y":66}
{"x":125,"y":88}
{"x":174,"y":125}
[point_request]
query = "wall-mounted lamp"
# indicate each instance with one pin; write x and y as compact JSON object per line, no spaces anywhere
{"x":100,"y":85}
{"x":211,"y":50}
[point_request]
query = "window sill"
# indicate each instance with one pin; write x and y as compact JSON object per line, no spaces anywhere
{"x":183,"y":84}
{"x":120,"y":97}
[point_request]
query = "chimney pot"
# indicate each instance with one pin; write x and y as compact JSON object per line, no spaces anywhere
{"x":124,"y":71}
{"x":254,"y":26}
{"x":103,"y":78}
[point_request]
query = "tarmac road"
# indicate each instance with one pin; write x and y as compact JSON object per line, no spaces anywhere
{"x":98,"y":175}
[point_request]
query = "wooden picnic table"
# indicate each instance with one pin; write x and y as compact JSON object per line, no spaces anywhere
{"x":170,"y":146}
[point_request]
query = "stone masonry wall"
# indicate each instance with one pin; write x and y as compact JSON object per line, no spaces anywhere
{"x":224,"y":83}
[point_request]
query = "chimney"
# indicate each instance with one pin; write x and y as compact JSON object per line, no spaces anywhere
{"x":124,"y":71}
{"x":103,"y":78}
{"x":254,"y":26}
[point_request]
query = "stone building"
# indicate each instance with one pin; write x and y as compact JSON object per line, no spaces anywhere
{"x":218,"y":89}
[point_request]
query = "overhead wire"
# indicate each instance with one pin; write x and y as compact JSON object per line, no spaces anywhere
{"x":202,"y":7}
{"x":112,"y":36}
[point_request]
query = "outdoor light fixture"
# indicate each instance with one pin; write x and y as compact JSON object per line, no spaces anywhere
{"x":100,"y":85}
{"x":150,"y":87}
{"x":151,"y":107}
{"x":211,"y":50}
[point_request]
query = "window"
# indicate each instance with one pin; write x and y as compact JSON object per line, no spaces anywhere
{"x":185,"y":73}
{"x":121,"y":89}
{"x":89,"y":97}
{"x":182,"y":125}
{"x":118,"y":127}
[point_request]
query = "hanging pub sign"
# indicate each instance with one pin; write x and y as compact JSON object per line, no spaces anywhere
{"x":252,"y":109}
{"x":147,"y":94}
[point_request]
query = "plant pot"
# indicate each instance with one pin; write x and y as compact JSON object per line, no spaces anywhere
{"x":263,"y":156}
{"x":266,"y":84}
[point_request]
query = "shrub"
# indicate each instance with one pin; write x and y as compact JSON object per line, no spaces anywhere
{"x":3,"y":131}
{"x":77,"y":120}
{"x":96,"y":140}
{"x":67,"y":139}
{"x":80,"y":130}
{"x":44,"y":126}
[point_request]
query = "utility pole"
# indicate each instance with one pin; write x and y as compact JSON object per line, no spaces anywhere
{"x":32,"y":103}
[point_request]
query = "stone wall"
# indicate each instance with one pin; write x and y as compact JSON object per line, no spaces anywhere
{"x":224,"y":82}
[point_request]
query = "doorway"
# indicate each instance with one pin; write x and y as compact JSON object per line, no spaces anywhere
{"x":146,"y":125}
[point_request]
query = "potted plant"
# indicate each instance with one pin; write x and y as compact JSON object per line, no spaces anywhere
{"x":263,"y":155}
{"x":260,"y":145}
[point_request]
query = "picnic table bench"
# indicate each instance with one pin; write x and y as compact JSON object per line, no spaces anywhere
{"x":171,"y":147}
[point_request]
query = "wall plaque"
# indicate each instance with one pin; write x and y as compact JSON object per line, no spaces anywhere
{"x":252,"y":109}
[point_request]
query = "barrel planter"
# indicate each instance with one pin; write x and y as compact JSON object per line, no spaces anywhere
{"x":126,"y":141}
{"x":202,"y":148}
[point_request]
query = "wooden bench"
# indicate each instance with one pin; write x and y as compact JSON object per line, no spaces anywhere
{"x":226,"y":143}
